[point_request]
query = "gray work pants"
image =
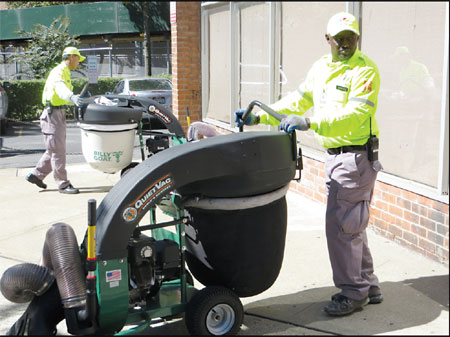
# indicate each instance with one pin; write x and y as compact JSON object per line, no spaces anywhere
{"x":53,"y":126}
{"x":350,"y":179}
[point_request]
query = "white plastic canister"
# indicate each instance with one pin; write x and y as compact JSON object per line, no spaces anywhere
{"x":108,"y":148}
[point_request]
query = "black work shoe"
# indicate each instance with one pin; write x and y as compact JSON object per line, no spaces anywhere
{"x":35,"y":180}
{"x":69,"y":189}
{"x":343,"y":306}
{"x":376,"y":299}
{"x":373,"y":299}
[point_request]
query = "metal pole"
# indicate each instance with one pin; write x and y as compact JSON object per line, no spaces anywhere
{"x":110,"y":62}
{"x":168,"y":56}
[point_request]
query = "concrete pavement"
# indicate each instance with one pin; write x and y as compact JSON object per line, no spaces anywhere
{"x":416,"y":289}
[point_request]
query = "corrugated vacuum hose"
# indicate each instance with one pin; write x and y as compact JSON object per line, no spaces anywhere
{"x":20,"y":283}
{"x":62,"y":261}
{"x":66,"y":261}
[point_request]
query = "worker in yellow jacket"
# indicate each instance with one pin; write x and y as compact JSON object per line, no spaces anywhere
{"x":343,"y":88}
{"x":56,"y":96}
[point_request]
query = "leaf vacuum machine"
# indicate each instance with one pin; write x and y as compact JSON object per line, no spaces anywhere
{"x":109,"y":124}
{"x":225,"y":198}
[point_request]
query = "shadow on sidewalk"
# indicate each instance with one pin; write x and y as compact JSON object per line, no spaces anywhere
{"x":96,"y":189}
{"x":408,"y":303}
{"x":7,"y":152}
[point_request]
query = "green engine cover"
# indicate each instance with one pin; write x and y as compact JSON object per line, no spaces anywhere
{"x":112,"y":294}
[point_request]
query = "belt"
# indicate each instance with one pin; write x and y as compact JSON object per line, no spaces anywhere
{"x":349,"y":148}
{"x":59,"y":106}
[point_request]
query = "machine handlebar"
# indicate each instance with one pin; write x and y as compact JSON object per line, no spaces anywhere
{"x":264,"y":107}
{"x":83,"y":91}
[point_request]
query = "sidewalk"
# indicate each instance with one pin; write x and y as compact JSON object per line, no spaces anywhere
{"x":416,"y":289}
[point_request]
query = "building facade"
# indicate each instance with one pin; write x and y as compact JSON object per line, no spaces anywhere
{"x":263,"y":50}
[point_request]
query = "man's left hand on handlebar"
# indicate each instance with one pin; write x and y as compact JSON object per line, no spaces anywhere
{"x":293,"y":122}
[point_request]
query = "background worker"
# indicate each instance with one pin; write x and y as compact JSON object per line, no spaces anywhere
{"x":56,"y":96}
{"x":343,"y":88}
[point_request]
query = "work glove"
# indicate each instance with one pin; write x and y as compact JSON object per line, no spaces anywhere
{"x":77,"y":100}
{"x":251,"y":119}
{"x":292,"y":122}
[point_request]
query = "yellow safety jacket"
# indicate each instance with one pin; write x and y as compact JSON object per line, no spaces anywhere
{"x":344,"y":96}
{"x":58,"y":87}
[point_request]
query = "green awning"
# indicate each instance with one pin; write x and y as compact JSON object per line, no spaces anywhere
{"x":86,"y":18}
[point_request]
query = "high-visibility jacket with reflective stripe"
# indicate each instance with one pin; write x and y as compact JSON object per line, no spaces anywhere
{"x":344,"y":96}
{"x":58,"y":87}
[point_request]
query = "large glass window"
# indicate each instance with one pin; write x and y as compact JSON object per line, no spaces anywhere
{"x":264,"y":50}
{"x":302,"y":43}
{"x":406,"y":40}
{"x":219,"y":65}
{"x":254,"y":54}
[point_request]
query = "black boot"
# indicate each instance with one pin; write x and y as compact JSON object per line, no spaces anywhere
{"x":42,"y":315}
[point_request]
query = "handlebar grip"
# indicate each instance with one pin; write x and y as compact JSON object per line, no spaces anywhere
{"x":83,"y":91}
{"x":264,"y":107}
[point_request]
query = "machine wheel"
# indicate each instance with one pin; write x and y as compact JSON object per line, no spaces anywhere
{"x":128,"y":168}
{"x":214,"y":310}
{"x":3,"y":126}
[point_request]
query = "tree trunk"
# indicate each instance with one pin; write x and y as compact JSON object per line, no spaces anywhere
{"x":147,"y":46}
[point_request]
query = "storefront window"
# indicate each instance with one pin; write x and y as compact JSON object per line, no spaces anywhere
{"x":406,"y":40}
{"x":219,"y":65}
{"x":302,"y":43}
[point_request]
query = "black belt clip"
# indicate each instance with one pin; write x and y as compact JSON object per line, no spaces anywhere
{"x":349,"y":148}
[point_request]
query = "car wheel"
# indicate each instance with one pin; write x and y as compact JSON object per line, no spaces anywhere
{"x":3,"y":126}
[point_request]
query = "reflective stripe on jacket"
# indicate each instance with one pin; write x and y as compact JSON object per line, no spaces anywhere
{"x":344,"y":96}
{"x":58,"y":87}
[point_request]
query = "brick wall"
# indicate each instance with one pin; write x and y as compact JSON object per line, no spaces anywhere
{"x":186,"y":62}
{"x":410,"y":219}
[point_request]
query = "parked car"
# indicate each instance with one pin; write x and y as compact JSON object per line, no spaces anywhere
{"x":3,"y":107}
{"x":158,"y":89}
{"x":155,"y":88}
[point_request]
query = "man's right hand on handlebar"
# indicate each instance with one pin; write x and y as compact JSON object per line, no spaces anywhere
{"x":251,"y":119}
{"x":77,"y":100}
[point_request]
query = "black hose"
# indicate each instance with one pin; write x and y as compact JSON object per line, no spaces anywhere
{"x":66,"y":262}
{"x":20,"y":283}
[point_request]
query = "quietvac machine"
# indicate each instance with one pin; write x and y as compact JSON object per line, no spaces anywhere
{"x":225,"y":198}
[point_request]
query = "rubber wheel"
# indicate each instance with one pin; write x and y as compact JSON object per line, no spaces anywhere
{"x":3,"y":126}
{"x":128,"y":168}
{"x":214,"y":310}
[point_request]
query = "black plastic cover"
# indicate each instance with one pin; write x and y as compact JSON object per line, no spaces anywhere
{"x":234,"y":165}
{"x":245,"y":248}
{"x":111,"y":115}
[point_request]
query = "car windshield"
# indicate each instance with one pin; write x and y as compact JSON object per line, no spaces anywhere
{"x":150,"y":85}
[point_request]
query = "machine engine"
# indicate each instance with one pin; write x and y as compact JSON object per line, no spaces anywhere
{"x":157,"y":143}
{"x":150,"y":262}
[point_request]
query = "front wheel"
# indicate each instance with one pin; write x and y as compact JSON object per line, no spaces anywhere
{"x":128,"y":169}
{"x":214,"y":310}
{"x":3,"y":126}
